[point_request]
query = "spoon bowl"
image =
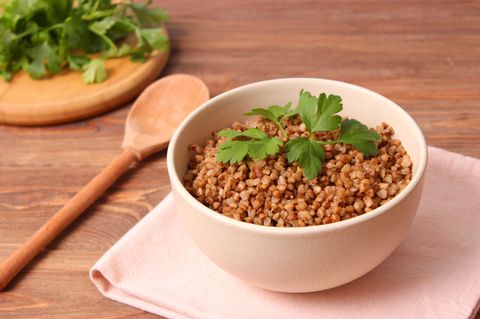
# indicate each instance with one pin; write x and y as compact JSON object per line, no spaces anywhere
{"x":159,"y":110}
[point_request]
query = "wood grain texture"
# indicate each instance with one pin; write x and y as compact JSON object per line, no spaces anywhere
{"x":14,"y":263}
{"x":422,"y":54}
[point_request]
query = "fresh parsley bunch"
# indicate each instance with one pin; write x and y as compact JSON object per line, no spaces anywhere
{"x":319,"y":114}
{"x":43,"y":36}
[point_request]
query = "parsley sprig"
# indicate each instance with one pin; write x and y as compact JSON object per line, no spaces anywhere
{"x":252,"y":142}
{"x":319,"y":114}
{"x":42,"y":37}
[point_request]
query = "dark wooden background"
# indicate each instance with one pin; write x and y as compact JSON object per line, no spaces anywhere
{"x":425,"y":55}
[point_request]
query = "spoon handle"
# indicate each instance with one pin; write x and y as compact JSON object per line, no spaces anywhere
{"x":65,"y":216}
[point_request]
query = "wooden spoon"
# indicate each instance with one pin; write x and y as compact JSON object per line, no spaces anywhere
{"x":150,"y":123}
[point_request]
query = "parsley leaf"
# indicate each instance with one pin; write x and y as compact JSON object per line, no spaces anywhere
{"x":359,"y":136}
{"x":100,"y":28}
{"x":325,"y":117}
{"x":232,"y":151}
{"x":138,"y":55}
{"x":155,"y":39}
{"x":260,"y":149}
{"x":125,"y":49}
{"x":77,"y":62}
{"x":255,"y":143}
{"x":7,"y":76}
{"x":94,"y":71}
{"x":319,"y":114}
{"x":79,"y":36}
{"x":43,"y":54}
{"x":148,"y":16}
{"x":309,"y":154}
{"x":306,"y":108}
{"x":274,"y":113}
{"x":251,"y":132}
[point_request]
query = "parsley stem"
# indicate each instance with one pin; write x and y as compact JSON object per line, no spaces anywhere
{"x":24,"y":34}
{"x":58,"y":25}
{"x":283,"y":131}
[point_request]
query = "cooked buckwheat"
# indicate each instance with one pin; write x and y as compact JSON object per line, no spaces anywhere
{"x":273,"y":192}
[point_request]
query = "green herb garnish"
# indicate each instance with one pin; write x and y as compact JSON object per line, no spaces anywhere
{"x":309,"y":154}
{"x":252,"y":142}
{"x":359,"y":136}
{"x":319,"y":114}
{"x":274,"y":113}
{"x":43,"y":36}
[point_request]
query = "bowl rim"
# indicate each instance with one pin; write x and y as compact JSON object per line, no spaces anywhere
{"x":177,"y":184}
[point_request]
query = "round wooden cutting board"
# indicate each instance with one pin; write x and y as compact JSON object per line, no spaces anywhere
{"x":65,"y":97}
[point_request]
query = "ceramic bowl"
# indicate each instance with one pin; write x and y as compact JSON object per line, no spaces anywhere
{"x":302,"y":259}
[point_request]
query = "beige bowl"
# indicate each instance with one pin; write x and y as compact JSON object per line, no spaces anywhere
{"x":303,"y":259}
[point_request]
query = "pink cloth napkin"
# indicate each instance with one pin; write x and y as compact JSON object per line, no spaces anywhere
{"x":434,"y":273}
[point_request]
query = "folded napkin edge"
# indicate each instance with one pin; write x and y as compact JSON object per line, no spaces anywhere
{"x":136,"y":299}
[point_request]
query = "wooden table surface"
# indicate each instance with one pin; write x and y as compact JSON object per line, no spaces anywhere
{"x":425,"y":55}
